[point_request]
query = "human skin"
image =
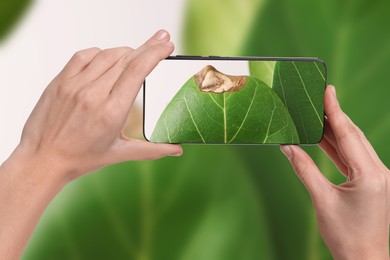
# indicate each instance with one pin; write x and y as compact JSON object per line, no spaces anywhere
{"x":353,"y":218}
{"x":76,"y":128}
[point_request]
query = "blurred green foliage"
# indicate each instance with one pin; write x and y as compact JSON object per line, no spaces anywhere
{"x":10,"y":12}
{"x":193,"y":207}
{"x":231,"y":202}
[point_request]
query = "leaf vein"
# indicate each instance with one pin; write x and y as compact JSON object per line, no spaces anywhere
{"x":322,"y":75}
{"x":284,"y":127}
{"x":307,"y":94}
{"x":193,"y":121}
{"x":215,"y":101}
{"x":281,"y":83}
{"x":246,"y":115}
{"x":270,"y":121}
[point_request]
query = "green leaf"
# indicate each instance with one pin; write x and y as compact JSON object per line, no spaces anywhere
{"x":253,"y":114}
{"x":164,"y":209}
{"x":263,"y":70}
{"x":301,"y":85}
{"x":10,"y":12}
{"x":219,"y":26}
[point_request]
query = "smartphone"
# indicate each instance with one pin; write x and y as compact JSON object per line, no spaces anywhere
{"x":235,"y":100}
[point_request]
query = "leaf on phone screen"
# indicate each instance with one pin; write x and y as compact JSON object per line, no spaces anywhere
{"x":293,"y":82}
{"x":263,"y":70}
{"x":212,"y":107}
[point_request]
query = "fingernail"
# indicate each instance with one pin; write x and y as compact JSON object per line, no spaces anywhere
{"x":168,"y":44}
{"x":177,"y":154}
{"x":161,"y":34}
{"x":286,"y":149}
{"x":333,"y":89}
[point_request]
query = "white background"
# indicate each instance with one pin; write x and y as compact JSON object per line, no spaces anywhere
{"x":52,"y":30}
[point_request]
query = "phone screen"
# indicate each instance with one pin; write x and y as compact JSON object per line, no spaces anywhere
{"x":235,"y":101}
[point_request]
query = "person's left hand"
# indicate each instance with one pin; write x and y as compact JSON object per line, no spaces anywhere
{"x":77,"y":125}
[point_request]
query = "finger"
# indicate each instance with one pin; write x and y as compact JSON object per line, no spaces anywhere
{"x":331,"y":139}
{"x":329,"y":136}
{"x":331,"y":152}
{"x":78,"y":62}
{"x":103,"y":61}
{"x":307,"y":171}
{"x":107,"y":58}
{"x":159,"y":37}
{"x":130,"y":81}
{"x":369,"y":147}
{"x":348,"y":140}
{"x":108,"y":79}
{"x":141,"y":150}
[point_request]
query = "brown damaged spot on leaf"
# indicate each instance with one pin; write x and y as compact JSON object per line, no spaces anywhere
{"x":210,"y":79}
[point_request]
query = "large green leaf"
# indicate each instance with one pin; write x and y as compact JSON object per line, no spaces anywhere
{"x":301,"y":86}
{"x":218,"y":27}
{"x":161,"y":209}
{"x":253,"y":114}
{"x":10,"y":12}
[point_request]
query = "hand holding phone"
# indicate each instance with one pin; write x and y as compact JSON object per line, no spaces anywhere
{"x":235,"y":100}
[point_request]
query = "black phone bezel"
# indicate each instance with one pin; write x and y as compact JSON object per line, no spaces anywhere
{"x":238,"y":58}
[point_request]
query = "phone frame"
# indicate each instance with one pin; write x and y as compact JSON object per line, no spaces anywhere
{"x":239,"y":58}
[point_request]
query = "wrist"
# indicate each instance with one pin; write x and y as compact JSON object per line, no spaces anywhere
{"x":28,"y":182}
{"x":37,"y":167}
{"x":363,"y":254}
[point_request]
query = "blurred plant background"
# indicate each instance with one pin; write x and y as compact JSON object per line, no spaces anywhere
{"x":229,"y":202}
{"x":10,"y":12}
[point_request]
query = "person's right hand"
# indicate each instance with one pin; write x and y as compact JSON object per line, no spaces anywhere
{"x":77,"y":125}
{"x":353,"y":218}
{"x":76,"y":128}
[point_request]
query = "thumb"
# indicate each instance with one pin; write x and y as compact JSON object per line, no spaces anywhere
{"x":131,"y":150}
{"x":314,"y":181}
